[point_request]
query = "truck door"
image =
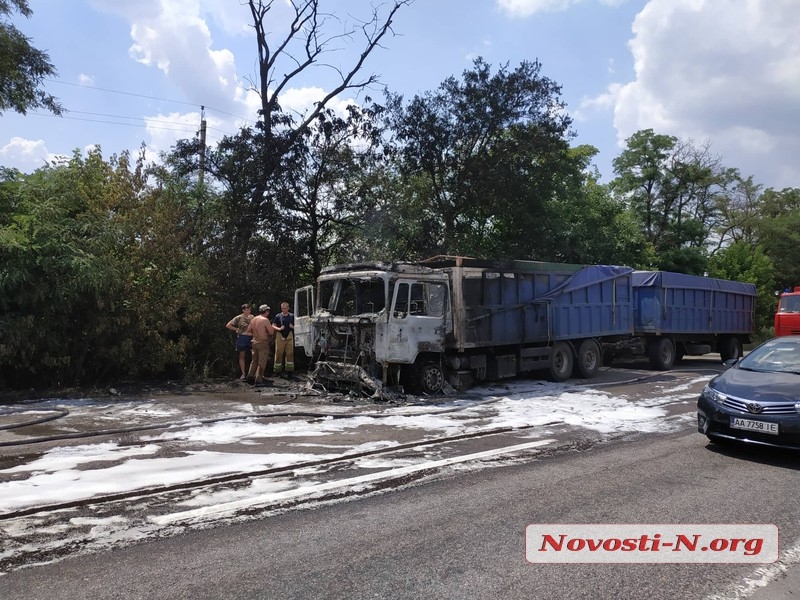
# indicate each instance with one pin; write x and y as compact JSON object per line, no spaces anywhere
{"x":303,"y":311}
{"x":416,"y":320}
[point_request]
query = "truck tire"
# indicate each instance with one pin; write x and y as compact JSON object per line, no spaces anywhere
{"x":431,"y":378}
{"x":561,"y":361}
{"x":590,"y":357}
{"x":661,"y":353}
{"x":731,"y":349}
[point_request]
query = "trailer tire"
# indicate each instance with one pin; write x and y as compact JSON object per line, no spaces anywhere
{"x":561,"y":361}
{"x":590,"y":357}
{"x":731,"y":349}
{"x":431,"y":378}
{"x":661,"y":353}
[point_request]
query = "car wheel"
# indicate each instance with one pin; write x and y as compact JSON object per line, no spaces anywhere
{"x":589,"y":359}
{"x":561,"y":361}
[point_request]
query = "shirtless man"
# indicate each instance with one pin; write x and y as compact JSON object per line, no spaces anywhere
{"x":262,"y":331}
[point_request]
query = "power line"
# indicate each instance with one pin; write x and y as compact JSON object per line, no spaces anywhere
{"x":91,"y":87}
{"x":183,"y":129}
{"x":80,"y":112}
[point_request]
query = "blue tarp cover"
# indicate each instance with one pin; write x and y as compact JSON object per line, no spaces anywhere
{"x":587,"y":276}
{"x":692,"y":282}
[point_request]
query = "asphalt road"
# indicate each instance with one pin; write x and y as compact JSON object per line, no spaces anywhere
{"x":462,"y":536}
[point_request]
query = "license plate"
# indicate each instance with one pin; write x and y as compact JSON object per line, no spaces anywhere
{"x":750,"y":425}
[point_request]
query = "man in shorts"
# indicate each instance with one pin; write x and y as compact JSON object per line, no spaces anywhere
{"x":239,"y":324}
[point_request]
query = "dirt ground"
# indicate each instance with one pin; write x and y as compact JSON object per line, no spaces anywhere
{"x":229,"y":388}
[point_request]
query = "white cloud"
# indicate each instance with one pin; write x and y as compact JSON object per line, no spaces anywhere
{"x":25,"y":155}
{"x":601,"y":103}
{"x":232,"y":22}
{"x":721,"y":71}
{"x":526,"y":8}
{"x":300,"y":100}
{"x":174,"y":37}
{"x":165,"y":129}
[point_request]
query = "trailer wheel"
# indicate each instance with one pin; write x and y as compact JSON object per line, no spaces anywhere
{"x":561,"y":361}
{"x":431,"y":378}
{"x":731,"y":349}
{"x":589,"y":360}
{"x":661,"y":353}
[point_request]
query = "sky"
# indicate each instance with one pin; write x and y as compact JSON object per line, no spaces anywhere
{"x":719,"y":72}
{"x":79,"y":471}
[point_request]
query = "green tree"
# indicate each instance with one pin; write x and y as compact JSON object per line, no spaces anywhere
{"x":103,"y":275}
{"x":741,"y":213}
{"x":483,"y":158}
{"x":328,"y":185}
{"x":592,"y":227}
{"x":742,"y":262}
{"x":677,"y":189}
{"x":242,"y":249}
{"x":779,"y":234}
{"x":22,"y":66}
{"x":60,"y":272}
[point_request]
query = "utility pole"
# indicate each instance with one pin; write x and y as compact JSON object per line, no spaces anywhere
{"x":202,"y":143}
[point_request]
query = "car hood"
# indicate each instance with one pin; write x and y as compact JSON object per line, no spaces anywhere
{"x":759,"y":386}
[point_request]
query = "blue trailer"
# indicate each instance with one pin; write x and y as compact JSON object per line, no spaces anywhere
{"x":677,"y":315}
{"x":520,"y":316}
{"x":461,"y":321}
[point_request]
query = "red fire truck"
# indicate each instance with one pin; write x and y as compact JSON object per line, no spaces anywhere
{"x":787,"y":317}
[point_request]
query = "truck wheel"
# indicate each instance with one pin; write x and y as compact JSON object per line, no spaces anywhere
{"x":731,"y":349}
{"x":561,"y":361}
{"x":661,"y":353}
{"x":589,"y":359}
{"x":431,"y":378}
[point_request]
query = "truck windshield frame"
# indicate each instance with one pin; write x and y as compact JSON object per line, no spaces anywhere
{"x":353,"y":296}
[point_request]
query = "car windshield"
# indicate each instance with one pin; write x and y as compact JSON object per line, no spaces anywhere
{"x":777,"y":355}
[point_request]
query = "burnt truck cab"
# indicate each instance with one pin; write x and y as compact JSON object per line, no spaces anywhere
{"x":376,"y":325}
{"x":787,"y":315}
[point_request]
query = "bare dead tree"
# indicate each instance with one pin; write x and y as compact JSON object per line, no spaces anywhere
{"x":310,"y":36}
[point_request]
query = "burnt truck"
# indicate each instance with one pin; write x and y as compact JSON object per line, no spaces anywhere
{"x":457,"y":321}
